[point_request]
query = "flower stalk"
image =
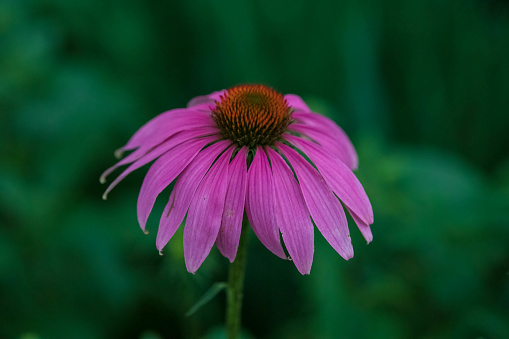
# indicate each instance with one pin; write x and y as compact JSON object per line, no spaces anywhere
{"x":234,"y":292}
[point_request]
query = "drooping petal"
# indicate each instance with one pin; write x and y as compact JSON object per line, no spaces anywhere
{"x":231,"y":224}
{"x":292,"y":214}
{"x":363,"y":227}
{"x":209,"y":99}
{"x":317,"y":121}
{"x":142,"y":151}
{"x":183,"y":192}
{"x":335,"y":146}
{"x":325,"y":208}
{"x":338,"y":176}
{"x":155,"y":153}
{"x":135,"y":155}
{"x":165,"y":125}
{"x":205,"y":212}
{"x":164,"y":171}
{"x":296,"y":103}
{"x":260,"y":203}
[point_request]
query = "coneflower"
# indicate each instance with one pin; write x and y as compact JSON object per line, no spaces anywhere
{"x":248,"y":149}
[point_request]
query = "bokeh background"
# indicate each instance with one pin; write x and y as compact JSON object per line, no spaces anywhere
{"x":422,"y":88}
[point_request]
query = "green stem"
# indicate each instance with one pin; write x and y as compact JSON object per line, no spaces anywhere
{"x":234,"y":293}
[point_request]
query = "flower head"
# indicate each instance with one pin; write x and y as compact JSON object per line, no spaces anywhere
{"x":248,"y":149}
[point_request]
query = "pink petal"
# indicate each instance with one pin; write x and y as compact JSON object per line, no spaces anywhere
{"x":363,"y":227}
{"x":205,"y":213}
{"x":155,"y":153}
{"x":231,"y":224}
{"x":183,"y":192}
{"x":296,"y":102}
{"x":325,"y":208}
{"x":338,"y":176}
{"x":165,"y":125}
{"x":204,"y":107}
{"x":164,"y":171}
{"x":209,"y":99}
{"x":335,"y":145}
{"x":137,"y":154}
{"x":291,"y":214}
{"x":260,"y":203}
{"x":320,"y":123}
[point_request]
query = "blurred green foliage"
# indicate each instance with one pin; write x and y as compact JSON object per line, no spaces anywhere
{"x":422,"y":87}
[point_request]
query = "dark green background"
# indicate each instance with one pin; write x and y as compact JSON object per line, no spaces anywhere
{"x":422,"y":88}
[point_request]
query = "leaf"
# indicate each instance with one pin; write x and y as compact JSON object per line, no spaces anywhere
{"x":208,"y":296}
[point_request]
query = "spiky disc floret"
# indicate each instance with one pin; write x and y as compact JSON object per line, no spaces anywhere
{"x":252,"y":115}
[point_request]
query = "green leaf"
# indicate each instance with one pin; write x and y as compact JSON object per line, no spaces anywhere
{"x":208,"y":296}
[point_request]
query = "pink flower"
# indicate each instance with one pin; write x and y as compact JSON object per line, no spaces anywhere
{"x":248,"y":149}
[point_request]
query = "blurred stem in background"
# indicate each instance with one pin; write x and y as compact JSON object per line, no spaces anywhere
{"x":234,"y":293}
